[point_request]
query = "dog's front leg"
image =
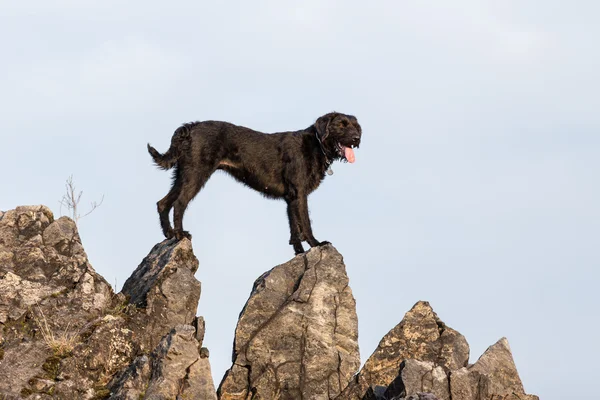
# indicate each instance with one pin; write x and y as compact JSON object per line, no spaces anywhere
{"x":295,"y":224}
{"x":306,"y":227}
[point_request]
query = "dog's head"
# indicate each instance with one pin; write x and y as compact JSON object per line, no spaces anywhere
{"x":339,"y":134}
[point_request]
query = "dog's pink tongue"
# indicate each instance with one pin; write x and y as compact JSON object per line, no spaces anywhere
{"x":349,"y":154}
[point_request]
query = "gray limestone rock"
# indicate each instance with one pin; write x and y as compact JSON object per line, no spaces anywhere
{"x":494,"y":375}
{"x":64,"y":334}
{"x":297,"y":334}
{"x":164,"y":290}
{"x":424,"y":377}
{"x":173,"y":370}
{"x":420,"y":336}
{"x":48,"y":293}
{"x":131,"y":383}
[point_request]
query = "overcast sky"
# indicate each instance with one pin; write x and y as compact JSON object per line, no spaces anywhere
{"x":476,"y":186}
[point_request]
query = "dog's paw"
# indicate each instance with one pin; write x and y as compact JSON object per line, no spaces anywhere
{"x":298,"y":249}
{"x":324,"y":243}
{"x":169,"y":234}
{"x":183,"y":234}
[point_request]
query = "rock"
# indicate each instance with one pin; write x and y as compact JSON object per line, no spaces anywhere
{"x":494,"y":375}
{"x":47,"y":286}
{"x":432,"y":361}
{"x":200,"y":326}
{"x":416,"y":378}
{"x":380,"y":393}
{"x":200,"y":380}
{"x":176,"y":354}
{"x":65,"y":334}
{"x":165,"y":291}
{"x":424,"y":377}
{"x":514,"y":396}
{"x":464,"y":384}
{"x":19,"y":364}
{"x":39,"y":257}
{"x":308,"y":299}
{"x":174,"y":369}
{"x":107,"y":345}
{"x":42,"y":385}
{"x":422,"y":396}
{"x":18,"y":294}
{"x":420,"y":336}
{"x":164,"y":286}
{"x":131,"y":383}
{"x":375,"y":393}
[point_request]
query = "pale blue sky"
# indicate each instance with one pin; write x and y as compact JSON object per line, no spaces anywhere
{"x":476,"y":186}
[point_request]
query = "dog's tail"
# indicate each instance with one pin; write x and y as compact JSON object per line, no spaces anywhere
{"x":163,"y":161}
{"x":179,"y":143}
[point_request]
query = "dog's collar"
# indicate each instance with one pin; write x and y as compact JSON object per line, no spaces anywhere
{"x":328,"y":162}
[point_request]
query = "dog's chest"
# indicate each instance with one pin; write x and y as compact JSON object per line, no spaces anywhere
{"x":314,"y":182}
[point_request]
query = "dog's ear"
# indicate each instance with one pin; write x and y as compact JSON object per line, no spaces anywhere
{"x":322,"y":125}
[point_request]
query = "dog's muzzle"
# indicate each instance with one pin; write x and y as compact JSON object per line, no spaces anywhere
{"x":346,"y":152}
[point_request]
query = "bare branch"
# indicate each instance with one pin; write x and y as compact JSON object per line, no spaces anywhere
{"x":71,"y":200}
{"x":94,"y":205}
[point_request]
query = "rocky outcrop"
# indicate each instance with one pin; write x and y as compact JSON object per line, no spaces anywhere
{"x":173,"y":370}
{"x":297,"y":334}
{"x":422,"y":357}
{"x":164,"y":295}
{"x":41,"y":258}
{"x":494,"y":374}
{"x":48,"y":293}
{"x":64,"y":334}
{"x":420,"y":336}
{"x":163,"y":288}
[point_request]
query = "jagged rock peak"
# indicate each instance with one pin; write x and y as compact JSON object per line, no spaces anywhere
{"x":297,"y":334}
{"x":494,"y":374}
{"x":48,"y":293}
{"x":164,"y":258}
{"x":422,"y":358}
{"x":164,"y":289}
{"x":420,"y":336}
{"x":41,"y":256}
{"x":166,"y":293}
{"x":64,"y":334}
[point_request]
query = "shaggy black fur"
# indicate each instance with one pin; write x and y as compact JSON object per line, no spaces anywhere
{"x":287,"y":165}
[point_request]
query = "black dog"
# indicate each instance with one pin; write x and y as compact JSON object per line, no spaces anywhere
{"x":288,"y":165}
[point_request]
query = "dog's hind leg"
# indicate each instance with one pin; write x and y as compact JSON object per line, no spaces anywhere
{"x":166,"y":203}
{"x":192,"y":182}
